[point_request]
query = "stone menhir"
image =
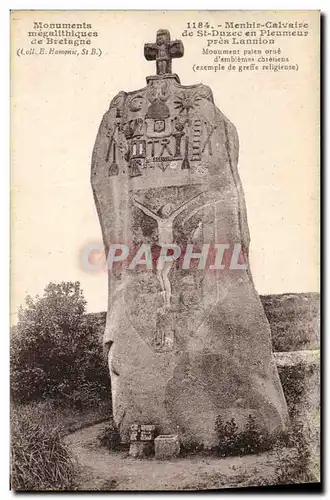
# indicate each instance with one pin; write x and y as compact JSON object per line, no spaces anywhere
{"x":186,"y":346}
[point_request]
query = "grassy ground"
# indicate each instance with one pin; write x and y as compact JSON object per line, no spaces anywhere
{"x":102,"y":470}
{"x":40,"y":459}
{"x":70,"y":419}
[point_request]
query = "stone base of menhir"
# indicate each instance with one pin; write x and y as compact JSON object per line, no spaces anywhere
{"x":299,"y":372}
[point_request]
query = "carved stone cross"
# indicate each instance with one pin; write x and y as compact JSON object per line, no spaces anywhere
{"x":163,"y":51}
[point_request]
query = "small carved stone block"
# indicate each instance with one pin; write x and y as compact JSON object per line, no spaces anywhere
{"x":135,"y":432}
{"x":148,"y":432}
{"x":167,"y":447}
{"x":141,"y":449}
{"x":142,"y":432}
{"x":142,"y":440}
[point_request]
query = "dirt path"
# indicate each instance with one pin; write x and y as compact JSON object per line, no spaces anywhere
{"x":104,"y":470}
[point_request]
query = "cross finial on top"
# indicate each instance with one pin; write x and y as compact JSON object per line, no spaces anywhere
{"x":163,"y":51}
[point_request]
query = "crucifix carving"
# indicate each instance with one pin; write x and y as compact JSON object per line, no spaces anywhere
{"x":163,"y":51}
{"x":165,"y":237}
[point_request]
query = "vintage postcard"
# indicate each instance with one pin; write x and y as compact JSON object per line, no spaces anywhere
{"x":165,"y":250}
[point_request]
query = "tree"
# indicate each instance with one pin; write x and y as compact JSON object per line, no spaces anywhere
{"x":55,"y":348}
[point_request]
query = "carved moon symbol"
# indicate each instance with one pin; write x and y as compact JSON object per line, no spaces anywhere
{"x":136,"y":103}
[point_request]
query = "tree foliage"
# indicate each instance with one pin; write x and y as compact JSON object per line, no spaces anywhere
{"x":55,"y":348}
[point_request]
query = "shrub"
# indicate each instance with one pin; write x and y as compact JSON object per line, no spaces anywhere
{"x":227,"y":436}
{"x":249,"y":440}
{"x":109,"y":437}
{"x":296,"y":468}
{"x":40,"y":461}
{"x":56,"y":349}
{"x":194,"y":448}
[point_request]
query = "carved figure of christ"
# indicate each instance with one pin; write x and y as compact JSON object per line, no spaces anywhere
{"x":165,"y":237}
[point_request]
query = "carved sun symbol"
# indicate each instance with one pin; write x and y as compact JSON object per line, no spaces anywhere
{"x":186,"y":102}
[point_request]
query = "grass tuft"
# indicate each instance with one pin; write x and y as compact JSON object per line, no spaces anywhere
{"x":40,"y":461}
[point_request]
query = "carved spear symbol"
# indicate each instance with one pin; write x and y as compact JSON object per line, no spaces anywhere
{"x":114,"y":169}
{"x":207,"y":140}
{"x":109,"y":149}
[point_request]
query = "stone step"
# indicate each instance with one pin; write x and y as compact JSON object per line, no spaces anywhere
{"x":294,"y":358}
{"x":299,"y":373}
{"x":294,"y":320}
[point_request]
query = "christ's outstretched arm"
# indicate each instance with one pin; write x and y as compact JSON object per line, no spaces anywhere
{"x":146,"y":210}
{"x":196,"y":210}
{"x":183,"y":207}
